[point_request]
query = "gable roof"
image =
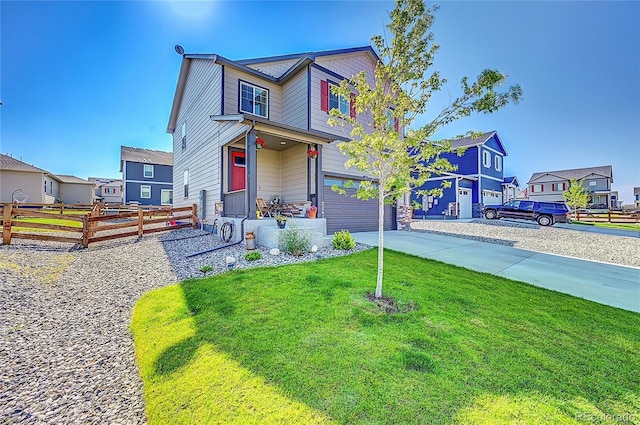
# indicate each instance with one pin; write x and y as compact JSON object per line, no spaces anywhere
{"x":511,"y":180}
{"x":66,"y":178}
{"x":11,"y":164}
{"x":301,"y":60}
{"x":467,"y":142}
{"x":604,"y":171}
{"x":148,"y":156}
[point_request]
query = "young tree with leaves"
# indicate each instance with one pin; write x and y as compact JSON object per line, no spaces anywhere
{"x":577,"y":195}
{"x":401,"y":91}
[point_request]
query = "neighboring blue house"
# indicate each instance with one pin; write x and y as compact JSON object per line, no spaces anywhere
{"x":478,"y":180}
{"x":147,"y":176}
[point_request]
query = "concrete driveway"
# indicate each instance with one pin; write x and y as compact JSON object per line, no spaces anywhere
{"x":617,"y":286}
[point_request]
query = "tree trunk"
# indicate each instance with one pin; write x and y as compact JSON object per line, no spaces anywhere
{"x":380,"y":239}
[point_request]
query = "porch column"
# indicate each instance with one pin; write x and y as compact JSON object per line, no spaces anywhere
{"x":319,"y":183}
{"x":251,"y":190}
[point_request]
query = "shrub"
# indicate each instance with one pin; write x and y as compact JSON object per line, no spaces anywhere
{"x":343,"y":240}
{"x":295,"y":240}
{"x":206,"y":269}
{"x":252,"y":256}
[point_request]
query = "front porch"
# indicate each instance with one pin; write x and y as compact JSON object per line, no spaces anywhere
{"x":272,"y":162}
{"x":268,"y":234}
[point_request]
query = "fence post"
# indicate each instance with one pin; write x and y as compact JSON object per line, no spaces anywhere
{"x":194,"y":216}
{"x":6,"y":220}
{"x":577,"y":215}
{"x":140,"y":222}
{"x":85,"y":231}
{"x":609,"y":213}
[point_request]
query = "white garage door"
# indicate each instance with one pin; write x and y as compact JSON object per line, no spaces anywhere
{"x":491,"y":198}
{"x":464,"y":198}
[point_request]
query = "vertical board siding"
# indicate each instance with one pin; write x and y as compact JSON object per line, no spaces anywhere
{"x":275,"y":69}
{"x":493,"y":144}
{"x":294,"y":173}
{"x":269,"y":174}
{"x":203,"y":97}
{"x":294,"y":101}
{"x":232,"y":79}
{"x":31,"y":183}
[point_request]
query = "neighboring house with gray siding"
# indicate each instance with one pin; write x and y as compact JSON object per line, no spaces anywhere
{"x":550,"y":185}
{"x":225,"y":110}
{"x":27,"y":183}
{"x":147,"y":176}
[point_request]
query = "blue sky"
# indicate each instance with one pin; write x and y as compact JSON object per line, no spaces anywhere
{"x":80,"y":79}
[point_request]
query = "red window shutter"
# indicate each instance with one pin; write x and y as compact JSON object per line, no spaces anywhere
{"x":396,"y":124}
{"x":533,"y":188}
{"x":564,"y":186}
{"x":352,"y":105}
{"x":324,"y":96}
{"x":541,"y":188}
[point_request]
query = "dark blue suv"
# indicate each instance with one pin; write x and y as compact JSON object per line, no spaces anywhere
{"x":545,"y":213}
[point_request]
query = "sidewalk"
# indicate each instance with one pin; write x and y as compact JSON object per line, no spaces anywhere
{"x":617,"y":286}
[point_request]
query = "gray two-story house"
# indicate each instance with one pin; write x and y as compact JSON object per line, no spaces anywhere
{"x":147,"y":176}
{"x":550,"y":185}
{"x":257,"y":129}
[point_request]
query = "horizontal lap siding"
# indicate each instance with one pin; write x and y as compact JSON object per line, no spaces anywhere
{"x":269,"y":179}
{"x":77,"y":193}
{"x":202,"y":155}
{"x":294,"y":173}
{"x":232,"y":79}
{"x":31,"y":183}
{"x":295,"y":100}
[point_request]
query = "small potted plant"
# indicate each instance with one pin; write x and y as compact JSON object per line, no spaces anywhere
{"x":281,"y":221}
{"x":312,"y":153}
{"x":312,"y":211}
{"x":260,"y":143}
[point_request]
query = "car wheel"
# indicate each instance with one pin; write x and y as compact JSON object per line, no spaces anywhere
{"x":490,"y":214}
{"x":545,"y":220}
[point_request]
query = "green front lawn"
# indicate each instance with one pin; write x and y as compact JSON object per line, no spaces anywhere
{"x":622,"y":226}
{"x":301,"y":344}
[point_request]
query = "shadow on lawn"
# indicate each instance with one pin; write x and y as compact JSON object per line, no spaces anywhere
{"x":313,"y":335}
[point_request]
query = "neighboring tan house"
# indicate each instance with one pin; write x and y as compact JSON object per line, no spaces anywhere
{"x":74,"y":190}
{"x":108,"y":191}
{"x":243,"y":129}
{"x":147,"y":176}
{"x":550,"y":185}
{"x":25,"y":183}
{"x":636,"y":196}
{"x":479,"y":180}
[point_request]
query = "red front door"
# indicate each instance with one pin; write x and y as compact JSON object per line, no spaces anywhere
{"x":238,"y":170}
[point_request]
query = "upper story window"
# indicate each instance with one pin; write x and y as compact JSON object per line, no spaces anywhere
{"x":486,"y":159}
{"x":537,"y":188}
{"x":329,"y":100}
{"x":498,"y":163}
{"x":558,"y":187}
{"x":592,"y":185}
{"x":184,"y":136}
{"x":148,"y":171}
{"x":254,"y":100}
{"x":338,"y":102}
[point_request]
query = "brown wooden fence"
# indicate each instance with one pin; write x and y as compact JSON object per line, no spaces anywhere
{"x":608,"y":217}
{"x":94,"y":225}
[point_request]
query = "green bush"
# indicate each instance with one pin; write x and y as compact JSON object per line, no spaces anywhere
{"x":343,"y":240}
{"x":252,"y":256}
{"x":295,"y":240}
{"x":206,"y":269}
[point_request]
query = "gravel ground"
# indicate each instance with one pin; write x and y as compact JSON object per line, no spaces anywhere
{"x":552,"y":240}
{"x":66,"y":353}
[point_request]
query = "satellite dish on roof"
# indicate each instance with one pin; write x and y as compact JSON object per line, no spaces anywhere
{"x":179,"y":49}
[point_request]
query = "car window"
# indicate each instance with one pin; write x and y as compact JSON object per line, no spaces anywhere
{"x":526,"y":205}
